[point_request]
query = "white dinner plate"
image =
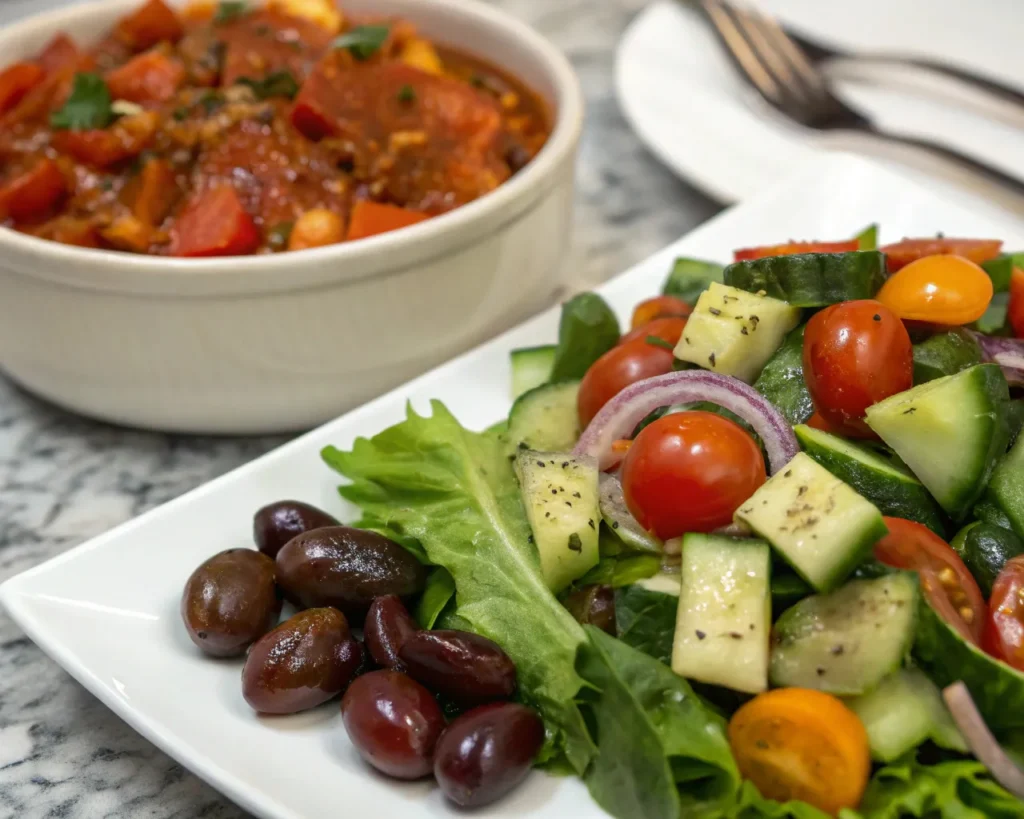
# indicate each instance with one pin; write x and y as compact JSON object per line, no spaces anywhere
{"x":691,"y":108}
{"x":108,"y":610}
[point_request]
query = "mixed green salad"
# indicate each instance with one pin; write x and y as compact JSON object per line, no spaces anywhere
{"x":761,"y":555}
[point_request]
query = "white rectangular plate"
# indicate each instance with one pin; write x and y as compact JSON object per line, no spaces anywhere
{"x":108,"y":610}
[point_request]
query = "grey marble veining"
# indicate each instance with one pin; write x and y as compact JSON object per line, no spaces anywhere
{"x":64,"y":479}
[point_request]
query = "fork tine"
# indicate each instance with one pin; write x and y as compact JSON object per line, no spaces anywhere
{"x":763,"y":45}
{"x":740,"y":49}
{"x":795,"y":56}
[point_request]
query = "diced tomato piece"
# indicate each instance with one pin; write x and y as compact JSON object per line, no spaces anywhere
{"x":295,"y":46}
{"x":126,"y":138}
{"x":16,"y":81}
{"x":60,"y":53}
{"x":32,"y":194}
{"x":215,"y":224}
{"x":69,"y":230}
{"x":791,"y":248}
{"x":150,"y":77}
{"x":155,"y":192}
{"x":372,"y":218}
{"x":902,"y":253}
{"x":47,"y":96}
{"x":155,"y":22}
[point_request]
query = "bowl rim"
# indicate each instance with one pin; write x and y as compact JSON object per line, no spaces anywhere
{"x":437,"y":236}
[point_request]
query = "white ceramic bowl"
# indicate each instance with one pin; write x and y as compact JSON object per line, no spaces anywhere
{"x":284,"y":342}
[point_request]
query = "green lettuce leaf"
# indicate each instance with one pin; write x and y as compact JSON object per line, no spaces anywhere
{"x":438,"y":593}
{"x":646,"y":620}
{"x":454,"y":492}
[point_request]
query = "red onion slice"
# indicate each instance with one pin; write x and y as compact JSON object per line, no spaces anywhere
{"x":617,"y":515}
{"x":619,"y":417}
{"x":1008,"y":353}
{"x":980,"y":740}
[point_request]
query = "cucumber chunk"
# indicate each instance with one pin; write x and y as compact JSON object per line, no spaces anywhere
{"x":811,"y":279}
{"x":848,"y":641}
{"x":724,"y":619}
{"x":984,"y":549}
{"x":587,"y":330}
{"x":1006,"y":489}
{"x":945,"y":354}
{"x":531,"y":367}
{"x":892,"y":489}
{"x":546,"y":418}
{"x":560,"y":496}
{"x":819,"y":525}
{"x":691,"y":277}
{"x":782,"y":379}
{"x":950,"y":432}
{"x":735,"y":333}
{"x":905,"y":710}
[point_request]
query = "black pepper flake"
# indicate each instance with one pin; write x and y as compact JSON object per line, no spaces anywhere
{"x":820,"y":671}
{"x":569,"y":504}
{"x":575,"y":544}
{"x":547,"y":514}
{"x":687,"y":339}
{"x":788,"y":473}
{"x":529,"y":539}
{"x":876,"y":317}
{"x":802,"y":490}
{"x":735,"y":635}
{"x":837,"y":650}
{"x":615,"y":524}
{"x":576,"y":495}
{"x":714,"y":311}
{"x":754,"y":320}
{"x":201,"y":635}
{"x":752,"y":627}
{"x":554,"y":491}
{"x":590,"y":523}
{"x":565,"y":464}
{"x":910,"y":411}
{"x":711,"y":359}
{"x":540,"y":464}
{"x":743,"y":331}
{"x":700,"y":634}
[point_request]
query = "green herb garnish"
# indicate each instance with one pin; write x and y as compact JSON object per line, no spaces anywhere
{"x":87,"y":108}
{"x":279,"y":234}
{"x":229,"y":10}
{"x":363,"y":41}
{"x":180,"y":114}
{"x":211,"y":101}
{"x":278,"y":84}
{"x":407,"y":94}
{"x":659,"y":342}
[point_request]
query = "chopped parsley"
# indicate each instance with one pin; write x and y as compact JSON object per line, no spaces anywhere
{"x":278,"y":84}
{"x":659,"y":342}
{"x":87,"y":108}
{"x":211,"y":101}
{"x":407,"y":94}
{"x":363,"y":41}
{"x":229,"y":10}
{"x":180,"y":114}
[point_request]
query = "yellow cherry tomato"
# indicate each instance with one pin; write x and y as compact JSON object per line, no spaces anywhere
{"x":947,"y":290}
{"x":795,"y":743}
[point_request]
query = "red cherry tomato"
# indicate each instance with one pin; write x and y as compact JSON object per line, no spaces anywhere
{"x":817,"y":422}
{"x":1015,"y":310}
{"x":668,"y":329}
{"x":689,"y":472}
{"x":948,"y":290}
{"x":945,"y":580}
{"x":900,"y":254}
{"x":855,"y":354}
{"x":1004,"y":628}
{"x":791,"y":248}
{"x":659,"y":307}
{"x":616,"y":370}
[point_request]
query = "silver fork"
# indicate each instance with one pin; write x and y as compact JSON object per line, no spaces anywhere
{"x":788,"y":80}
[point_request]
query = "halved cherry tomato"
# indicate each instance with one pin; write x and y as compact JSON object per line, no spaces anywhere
{"x":32,"y":194}
{"x":792,"y":248}
{"x":855,"y":354}
{"x":945,"y":580}
{"x":616,"y":370}
{"x":215,"y":224}
{"x":949,"y":290}
{"x":668,"y":329}
{"x":16,"y":81}
{"x":794,"y":743}
{"x":900,"y":254}
{"x":1004,"y":629}
{"x":689,"y":472}
{"x":659,"y":307}
{"x":1015,"y":309}
{"x":150,"y":77}
{"x":817,"y":422}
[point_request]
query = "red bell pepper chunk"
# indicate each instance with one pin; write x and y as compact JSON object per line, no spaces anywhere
{"x":127,"y":138}
{"x":150,"y":77}
{"x":155,"y":22}
{"x":32,"y":194}
{"x":372,"y":218}
{"x":791,"y":248}
{"x":215,"y":224}
{"x":900,"y":254}
{"x":16,"y":81}
{"x":61,"y":52}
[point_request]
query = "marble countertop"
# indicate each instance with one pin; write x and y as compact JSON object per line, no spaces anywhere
{"x":64,"y":479}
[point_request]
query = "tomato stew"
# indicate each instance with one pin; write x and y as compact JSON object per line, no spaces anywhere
{"x":230,"y":130}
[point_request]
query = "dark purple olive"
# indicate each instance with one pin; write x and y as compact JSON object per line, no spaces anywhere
{"x":594,"y":606}
{"x":277,"y":523}
{"x":346,"y":568}
{"x":302,"y":663}
{"x":466,"y":667}
{"x":388,"y":625}
{"x":230,"y":602}
{"x":486,"y":752}
{"x":394,"y":723}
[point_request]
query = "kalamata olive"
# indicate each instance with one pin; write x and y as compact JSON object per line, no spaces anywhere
{"x":277,"y":523}
{"x":302,"y":663}
{"x":594,"y":606}
{"x":388,"y":625}
{"x":230,"y":601}
{"x":346,"y":568}
{"x":466,"y":667}
{"x":486,"y":752}
{"x":394,"y":723}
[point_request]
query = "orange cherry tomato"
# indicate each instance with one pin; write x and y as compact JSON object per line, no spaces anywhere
{"x":669,"y":329}
{"x":792,"y":248}
{"x":945,"y":579}
{"x":899,"y":254}
{"x":616,"y":370}
{"x":949,"y":290}
{"x":689,"y":472}
{"x":658,"y":307}
{"x":1015,"y":309}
